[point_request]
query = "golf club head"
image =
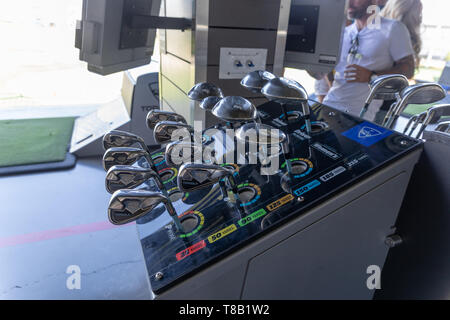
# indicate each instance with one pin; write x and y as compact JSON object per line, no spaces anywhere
{"x":203,"y":90}
{"x":118,"y":138}
{"x":386,"y":87}
{"x":128,"y":177}
{"x":235,"y":109}
{"x":123,"y":156}
{"x":424,"y":93}
{"x":284,"y":91}
{"x":260,"y":133}
{"x":267,"y":140}
{"x":255,"y":80}
{"x":443,"y":127}
{"x":165,"y":130}
{"x":129,"y":205}
{"x":415,"y":121}
{"x":194,"y":176}
{"x":155,"y":116}
{"x":434,"y":114}
{"x":179,"y":152}
{"x":208,"y":103}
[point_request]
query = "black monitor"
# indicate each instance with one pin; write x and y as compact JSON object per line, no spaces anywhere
{"x":314,"y":33}
{"x":116,"y":35}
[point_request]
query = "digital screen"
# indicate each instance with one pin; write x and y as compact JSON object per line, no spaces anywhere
{"x":302,"y":29}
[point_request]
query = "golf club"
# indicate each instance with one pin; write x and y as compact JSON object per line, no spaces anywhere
{"x":234,"y":109}
{"x":195,"y":176}
{"x":434,"y":114}
{"x":256,"y":80}
{"x":417,"y":94}
{"x":128,"y":205}
{"x":164,"y":130}
{"x":128,"y":177}
{"x":264,"y":135}
{"x":203,"y":90}
{"x":179,"y":152}
{"x":118,"y":138}
{"x":125,"y":156}
{"x":284,"y":91}
{"x":385,"y":87}
{"x":415,"y":120}
{"x":443,"y":127}
{"x":155,"y":116}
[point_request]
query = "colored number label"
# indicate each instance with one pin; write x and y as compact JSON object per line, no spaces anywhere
{"x":222,"y":233}
{"x":280,"y":202}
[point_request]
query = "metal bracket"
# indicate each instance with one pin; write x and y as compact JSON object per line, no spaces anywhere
{"x":137,"y":18}
{"x":154,"y":22}
{"x":393,"y":240}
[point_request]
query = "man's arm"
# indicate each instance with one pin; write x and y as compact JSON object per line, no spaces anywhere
{"x":404,"y":66}
{"x":356,"y":73}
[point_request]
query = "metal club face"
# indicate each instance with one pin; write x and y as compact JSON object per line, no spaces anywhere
{"x":128,"y":177}
{"x":420,"y":94}
{"x":284,"y":91}
{"x":129,"y":205}
{"x":123,"y":156}
{"x":443,"y":127}
{"x":179,"y":152}
{"x":255,"y":80}
{"x":425,"y":93}
{"x":434,"y":114}
{"x":118,"y":138}
{"x":165,"y":130}
{"x":203,"y":90}
{"x":155,"y":116}
{"x":386,"y":87}
{"x":234,"y":109}
{"x":193,"y":176}
{"x":208,"y":103}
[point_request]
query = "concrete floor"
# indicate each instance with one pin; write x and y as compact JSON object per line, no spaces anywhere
{"x":57,"y":219}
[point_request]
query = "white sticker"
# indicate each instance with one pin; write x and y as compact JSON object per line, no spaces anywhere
{"x":333,"y":173}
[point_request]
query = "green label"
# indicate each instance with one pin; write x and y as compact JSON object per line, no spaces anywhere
{"x":251,"y":217}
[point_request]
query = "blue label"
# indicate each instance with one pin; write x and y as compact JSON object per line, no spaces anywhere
{"x":307,"y":187}
{"x":367,"y":133}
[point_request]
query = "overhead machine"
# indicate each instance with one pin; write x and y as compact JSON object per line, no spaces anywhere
{"x":277,"y":196}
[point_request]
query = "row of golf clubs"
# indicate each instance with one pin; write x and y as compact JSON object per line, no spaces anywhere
{"x":127,"y":205}
{"x":396,"y":87}
{"x":118,"y":144}
{"x":233,"y":109}
{"x":123,"y":175}
{"x":430,"y":117}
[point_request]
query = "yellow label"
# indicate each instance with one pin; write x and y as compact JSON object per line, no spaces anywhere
{"x":280,"y":202}
{"x":222,"y":233}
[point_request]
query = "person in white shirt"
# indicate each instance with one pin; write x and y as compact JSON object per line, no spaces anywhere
{"x":370,"y":48}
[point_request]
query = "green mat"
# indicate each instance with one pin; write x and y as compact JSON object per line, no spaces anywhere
{"x":32,"y":141}
{"x":413,"y":109}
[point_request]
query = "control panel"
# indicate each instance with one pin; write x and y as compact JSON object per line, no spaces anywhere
{"x":338,"y":152}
